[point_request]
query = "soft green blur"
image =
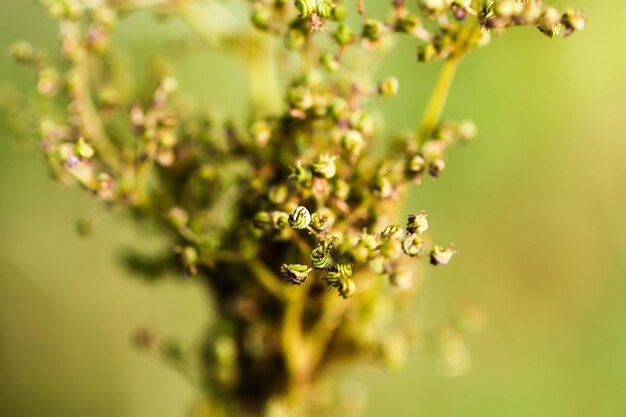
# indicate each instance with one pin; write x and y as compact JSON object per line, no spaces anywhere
{"x":536,"y":206}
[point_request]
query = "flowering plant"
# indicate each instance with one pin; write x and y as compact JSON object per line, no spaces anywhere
{"x":289,"y":217}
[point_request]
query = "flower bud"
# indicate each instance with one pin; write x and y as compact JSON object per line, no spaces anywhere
{"x":392,"y":232}
{"x":324,"y":165}
{"x":413,"y":245}
{"x":189,"y":258}
{"x":322,"y":219}
{"x":300,"y":97}
{"x":278,"y":194}
{"x":261,"y":132}
{"x":305,"y":7}
{"x":23,"y":52}
{"x":261,"y":17}
{"x":329,"y":62}
{"x":426,"y":53}
{"x":408,"y":24}
{"x":353,"y":142}
{"x":263,"y":220}
{"x":389,"y":87}
{"x":324,"y":8}
{"x":417,"y":223}
{"x":347,"y":288}
{"x":300,"y":218}
{"x":302,"y":174}
{"x":295,"y":39}
{"x":466,"y":131}
{"x":340,"y":11}
{"x":343,"y":34}
{"x":83,"y":149}
{"x":441,"y":256}
{"x":177,"y":216}
{"x":373,"y":29}
{"x":343,"y":269}
{"x":321,"y":258}
{"x":295,"y":274}
{"x":436,"y":167}
{"x":364,"y":248}
{"x":280,"y":219}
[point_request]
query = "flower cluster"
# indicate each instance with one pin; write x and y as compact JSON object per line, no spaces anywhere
{"x":297,"y":194}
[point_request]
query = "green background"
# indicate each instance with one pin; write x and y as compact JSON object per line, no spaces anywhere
{"x":536,"y":206}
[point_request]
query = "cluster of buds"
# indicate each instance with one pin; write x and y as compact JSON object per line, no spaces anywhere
{"x":297,"y":194}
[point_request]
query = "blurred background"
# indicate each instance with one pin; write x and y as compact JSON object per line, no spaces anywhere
{"x":536,"y":205}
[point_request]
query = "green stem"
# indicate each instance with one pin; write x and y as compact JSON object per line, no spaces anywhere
{"x":438,"y":99}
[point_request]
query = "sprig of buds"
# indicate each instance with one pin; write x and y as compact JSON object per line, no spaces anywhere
{"x":287,"y":218}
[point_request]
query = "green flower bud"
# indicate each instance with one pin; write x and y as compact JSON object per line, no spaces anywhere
{"x":23,"y":52}
{"x":347,"y":288}
{"x":389,"y":87}
{"x":427,"y":53}
{"x":417,"y":223}
{"x":278,"y":194}
{"x":441,"y":256}
{"x":263,"y":220}
{"x":549,"y":21}
{"x":300,"y":97}
{"x":83,"y":149}
{"x":322,"y":219}
{"x":436,"y":167}
{"x":343,"y":34}
{"x":353,"y":142}
{"x":373,"y":29}
{"x":391,"y":249}
{"x":383,"y":187}
{"x":189,"y":258}
{"x":321,"y":258}
{"x":324,"y":165}
{"x":408,"y":24}
{"x":225,"y":350}
{"x":295,"y":39}
{"x":506,"y":8}
{"x":295,"y":274}
{"x":177,"y":216}
{"x":261,"y":132}
{"x":280,"y":219}
{"x":392,"y":232}
{"x":301,"y":174}
{"x":84,"y":226}
{"x":105,"y":186}
{"x":416,"y":165}
{"x":329,"y":62}
{"x":340,"y":11}
{"x":433,"y":8}
{"x":48,"y":82}
{"x":324,"y":8}
{"x":466,"y":131}
{"x":413,"y":245}
{"x":364,"y":247}
{"x":261,"y":17}
{"x":342,"y":190}
{"x":305,"y":7}
{"x":343,"y":269}
{"x":573,"y":20}
{"x":300,"y":218}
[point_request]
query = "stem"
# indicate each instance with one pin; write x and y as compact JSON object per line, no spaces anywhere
{"x":292,"y":337}
{"x":468,"y":36}
{"x":438,"y":99}
{"x":267,"y":279}
{"x":88,"y":118}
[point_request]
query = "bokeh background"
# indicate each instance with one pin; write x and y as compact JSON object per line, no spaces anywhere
{"x":536,"y":206}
